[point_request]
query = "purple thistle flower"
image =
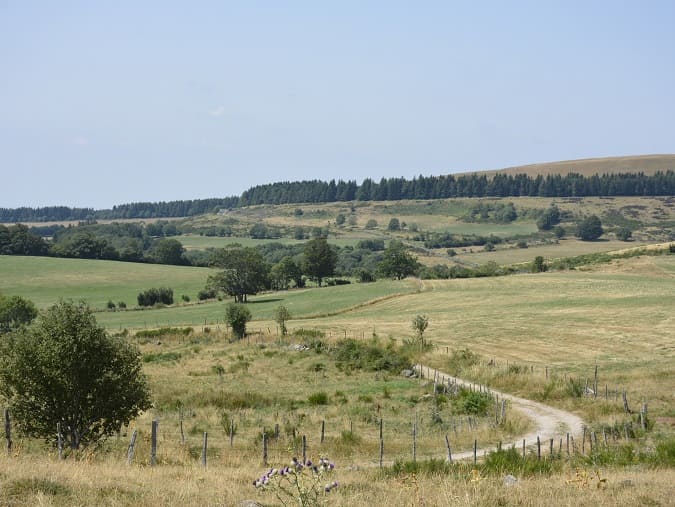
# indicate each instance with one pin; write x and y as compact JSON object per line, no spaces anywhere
{"x":309,"y":463}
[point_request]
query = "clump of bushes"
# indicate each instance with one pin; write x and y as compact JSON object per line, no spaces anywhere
{"x":320,"y":398}
{"x":355,"y":355}
{"x":461,"y":359}
{"x":164,"y":331}
{"x":471,"y":402}
{"x":151,"y":297}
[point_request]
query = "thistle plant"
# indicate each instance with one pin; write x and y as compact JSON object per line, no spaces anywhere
{"x":304,"y":484}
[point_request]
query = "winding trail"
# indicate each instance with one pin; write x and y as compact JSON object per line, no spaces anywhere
{"x":550,"y":423}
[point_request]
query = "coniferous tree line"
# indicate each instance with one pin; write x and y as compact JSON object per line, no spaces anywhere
{"x":387,"y":189}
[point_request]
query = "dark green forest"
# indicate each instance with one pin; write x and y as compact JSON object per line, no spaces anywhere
{"x":387,"y":189}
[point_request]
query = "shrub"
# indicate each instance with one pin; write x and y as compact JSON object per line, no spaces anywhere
{"x":110,"y":305}
{"x":164,"y":331}
{"x":472,"y":403}
{"x":320,"y":398}
{"x":205,"y":294}
{"x":350,"y":354}
{"x":237,"y":315}
{"x":185,"y":298}
{"x":460,"y":359}
{"x":151,"y":297}
{"x":122,"y":305}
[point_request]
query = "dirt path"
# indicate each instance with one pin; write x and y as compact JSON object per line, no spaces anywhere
{"x":550,"y":422}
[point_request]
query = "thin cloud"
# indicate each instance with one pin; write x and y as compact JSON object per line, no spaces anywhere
{"x":80,"y":141}
{"x":218,"y":111}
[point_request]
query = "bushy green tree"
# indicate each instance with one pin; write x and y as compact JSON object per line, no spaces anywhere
{"x":67,"y":370}
{"x":539,"y":266}
{"x":397,"y":262}
{"x":169,"y":251}
{"x":419,"y":325}
{"x":15,"y":312}
{"x":244,"y":272}
{"x":320,"y":259}
{"x":284,"y":272}
{"x":590,"y":228}
{"x":394,"y":225}
{"x":237,"y":316}
{"x":281,"y":316}
{"x":549,"y":218}
{"x":624,"y":234}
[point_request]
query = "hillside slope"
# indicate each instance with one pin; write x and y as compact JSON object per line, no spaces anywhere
{"x":648,"y":164}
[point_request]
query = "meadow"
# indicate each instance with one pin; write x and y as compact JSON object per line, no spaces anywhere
{"x":44,"y":280}
{"x":539,"y":336}
{"x":526,"y":334}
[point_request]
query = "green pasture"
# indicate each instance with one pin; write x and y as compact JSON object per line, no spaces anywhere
{"x":302,"y":303}
{"x":193,"y":242}
{"x":45,"y":280}
{"x":565,"y":248}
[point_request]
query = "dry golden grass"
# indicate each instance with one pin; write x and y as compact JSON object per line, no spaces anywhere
{"x":29,"y":481}
{"x":648,"y":164}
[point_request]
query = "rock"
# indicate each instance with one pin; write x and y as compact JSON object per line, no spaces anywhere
{"x":510,"y":480}
{"x":407,"y":373}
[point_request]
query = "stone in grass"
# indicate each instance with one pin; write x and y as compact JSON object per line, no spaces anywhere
{"x":407,"y":373}
{"x":510,"y":480}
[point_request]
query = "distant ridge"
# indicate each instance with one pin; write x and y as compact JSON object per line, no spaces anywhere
{"x":647,"y":164}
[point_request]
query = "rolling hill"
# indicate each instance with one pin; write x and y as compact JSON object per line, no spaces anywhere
{"x":648,"y":164}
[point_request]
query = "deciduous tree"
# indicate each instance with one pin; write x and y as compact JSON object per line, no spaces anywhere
{"x":320,"y":259}
{"x":67,"y":370}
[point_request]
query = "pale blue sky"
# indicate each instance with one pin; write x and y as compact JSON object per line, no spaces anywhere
{"x":103,"y":103}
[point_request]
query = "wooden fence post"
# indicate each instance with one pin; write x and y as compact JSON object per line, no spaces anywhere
{"x":8,"y":431}
{"x":381,"y":451}
{"x":231,"y":432}
{"x":304,"y":448}
{"x":538,"y":448}
{"x":551,"y":448}
{"x":414,"y":439}
{"x":132,"y":447}
{"x":204,"y":448}
{"x":447,"y":446}
{"x":264,"y":445}
{"x":182,"y":433}
{"x":583,"y":441}
{"x":475,"y":450}
{"x":59,"y":440}
{"x":153,"y":443}
{"x":523,"y":447}
{"x":323,"y":429}
{"x":568,"y":444}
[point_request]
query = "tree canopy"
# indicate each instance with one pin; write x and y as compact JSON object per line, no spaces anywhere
{"x":397,"y":262}
{"x":244,"y":272}
{"x":66,"y":370}
{"x":15,"y":312}
{"x":236,"y":316}
{"x":320,"y":259}
{"x":590,"y":228}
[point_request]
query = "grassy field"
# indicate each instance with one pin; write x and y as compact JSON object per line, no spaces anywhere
{"x":302,"y":303}
{"x":513,"y":255}
{"x":647,"y":164}
{"x":192,"y":242}
{"x":44,"y":280}
{"x":559,"y":325}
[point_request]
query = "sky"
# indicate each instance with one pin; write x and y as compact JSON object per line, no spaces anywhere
{"x":104,"y":103}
